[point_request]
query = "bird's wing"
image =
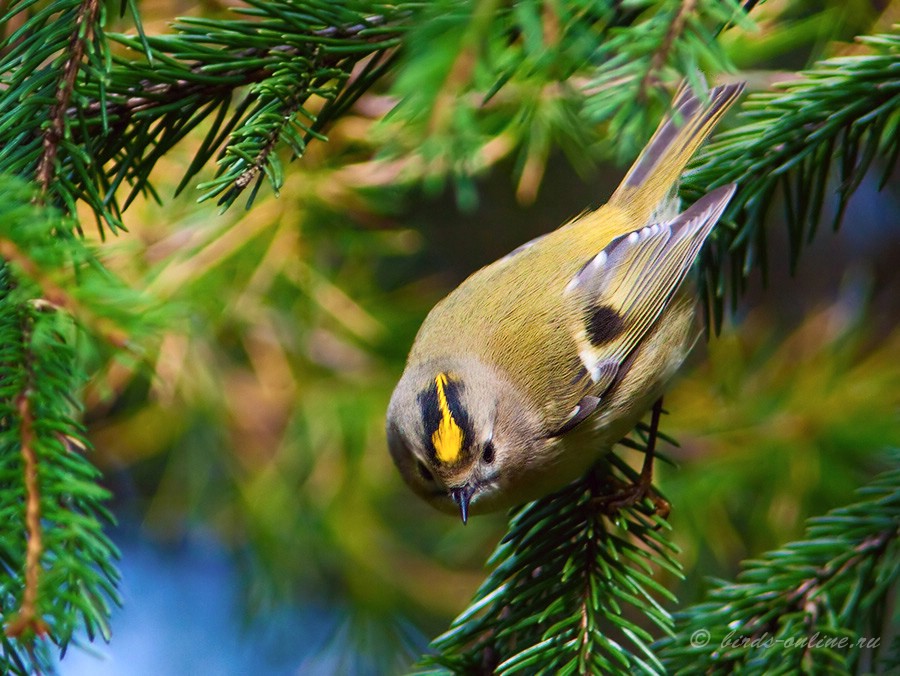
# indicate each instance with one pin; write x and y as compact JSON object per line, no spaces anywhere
{"x":623,"y":290}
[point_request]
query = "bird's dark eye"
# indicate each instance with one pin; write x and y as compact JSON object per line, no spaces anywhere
{"x":487,"y":453}
{"x":424,"y":472}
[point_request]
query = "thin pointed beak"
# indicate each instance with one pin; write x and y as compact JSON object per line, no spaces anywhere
{"x":462,"y":496}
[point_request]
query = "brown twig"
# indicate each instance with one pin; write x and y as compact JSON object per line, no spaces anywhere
{"x":460,"y":74}
{"x":457,"y":78}
{"x":81,"y":35}
{"x":661,"y":55}
{"x":805,"y":593}
{"x":28,"y":619}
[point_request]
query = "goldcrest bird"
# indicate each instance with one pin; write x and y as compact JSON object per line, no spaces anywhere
{"x":531,"y":369}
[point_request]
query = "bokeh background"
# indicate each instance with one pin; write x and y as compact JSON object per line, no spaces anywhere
{"x":261,"y":523}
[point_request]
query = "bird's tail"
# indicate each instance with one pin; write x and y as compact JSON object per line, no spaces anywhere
{"x":655,"y":173}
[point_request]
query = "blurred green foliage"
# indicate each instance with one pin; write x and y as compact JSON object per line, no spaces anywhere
{"x":801,"y":418}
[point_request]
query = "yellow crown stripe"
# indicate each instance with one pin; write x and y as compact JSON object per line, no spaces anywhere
{"x":448,"y":437}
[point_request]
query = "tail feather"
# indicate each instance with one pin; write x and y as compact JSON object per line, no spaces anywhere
{"x":655,"y":173}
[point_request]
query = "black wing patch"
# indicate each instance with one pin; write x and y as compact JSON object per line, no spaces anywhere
{"x":603,"y":324}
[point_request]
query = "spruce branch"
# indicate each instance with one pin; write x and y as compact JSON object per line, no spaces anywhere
{"x":59,"y":575}
{"x":79,"y":41}
{"x":822,"y":604}
{"x":43,"y":67}
{"x":267,"y":84}
{"x":536,"y":75}
{"x":632,"y":67}
{"x":54,"y":295}
{"x":299,"y":73}
{"x":815,"y":136}
{"x":571,"y":591}
{"x":64,"y":274}
{"x":112,"y":118}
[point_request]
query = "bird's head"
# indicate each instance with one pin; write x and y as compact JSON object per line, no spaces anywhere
{"x":458,"y":434}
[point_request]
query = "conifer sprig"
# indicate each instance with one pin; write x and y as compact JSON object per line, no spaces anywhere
{"x":271,"y":79}
{"x":59,"y":576}
{"x":43,"y":67}
{"x":811,"y":138}
{"x":58,"y":564}
{"x":820,"y":605}
{"x":572,"y":590}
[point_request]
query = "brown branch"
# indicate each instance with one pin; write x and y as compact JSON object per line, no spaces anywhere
{"x":81,"y":35}
{"x":28,"y":619}
{"x":147,"y":95}
{"x":661,"y":55}
{"x":354,"y":30}
{"x":805,"y":593}
{"x":156,"y":94}
{"x":457,"y":78}
{"x":53,"y":293}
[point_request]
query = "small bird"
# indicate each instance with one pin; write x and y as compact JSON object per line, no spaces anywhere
{"x":531,"y":369}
